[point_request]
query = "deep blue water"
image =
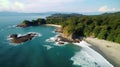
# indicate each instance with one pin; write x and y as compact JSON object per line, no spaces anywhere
{"x":36,"y":52}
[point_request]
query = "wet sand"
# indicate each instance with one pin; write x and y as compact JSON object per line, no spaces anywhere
{"x":109,"y":50}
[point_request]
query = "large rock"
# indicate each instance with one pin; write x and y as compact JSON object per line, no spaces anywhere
{"x":13,"y":36}
{"x":16,"y":39}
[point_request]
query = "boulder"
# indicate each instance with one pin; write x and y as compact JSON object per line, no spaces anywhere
{"x":13,"y":36}
{"x":16,"y":39}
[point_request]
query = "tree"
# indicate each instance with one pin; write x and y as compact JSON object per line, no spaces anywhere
{"x":102,"y":34}
{"x":96,"y":31}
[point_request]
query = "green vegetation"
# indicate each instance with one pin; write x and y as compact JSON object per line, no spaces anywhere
{"x":105,"y":26}
{"x":27,"y":23}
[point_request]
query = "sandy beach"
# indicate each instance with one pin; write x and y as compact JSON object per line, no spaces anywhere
{"x":53,"y":25}
{"x":109,"y":50}
{"x":90,"y":55}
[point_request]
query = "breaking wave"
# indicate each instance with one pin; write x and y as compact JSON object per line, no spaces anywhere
{"x":53,"y":39}
{"x":88,"y":57}
{"x":48,"y":47}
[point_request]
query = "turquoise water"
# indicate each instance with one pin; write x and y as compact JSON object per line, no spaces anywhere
{"x":31,"y":53}
{"x":36,"y":52}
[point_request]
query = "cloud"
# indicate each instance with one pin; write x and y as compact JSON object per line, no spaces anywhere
{"x":47,"y":5}
{"x":106,"y":9}
{"x":36,"y":5}
{"x":6,"y":5}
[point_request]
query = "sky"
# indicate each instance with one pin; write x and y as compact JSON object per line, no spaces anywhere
{"x":76,"y":6}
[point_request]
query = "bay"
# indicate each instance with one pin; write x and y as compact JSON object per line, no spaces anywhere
{"x":37,"y":52}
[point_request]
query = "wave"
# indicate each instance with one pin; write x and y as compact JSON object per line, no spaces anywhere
{"x":53,"y":31}
{"x":53,"y":39}
{"x":83,"y":59}
{"x":14,"y":44}
{"x":37,"y":34}
{"x":57,"y":44}
{"x":89,"y":57}
{"x":48,"y":47}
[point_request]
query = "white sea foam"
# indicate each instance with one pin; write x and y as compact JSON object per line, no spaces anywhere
{"x":14,"y":44}
{"x":83,"y":59}
{"x":52,"y":39}
{"x":88,"y":57}
{"x":37,"y":34}
{"x":57,"y":44}
{"x":48,"y":47}
{"x":53,"y":32}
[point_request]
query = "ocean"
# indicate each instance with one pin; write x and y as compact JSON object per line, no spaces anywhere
{"x":42,"y":51}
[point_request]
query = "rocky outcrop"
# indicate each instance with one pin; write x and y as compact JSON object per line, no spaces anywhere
{"x":67,"y":37}
{"x":60,"y":30}
{"x":72,"y":38}
{"x":22,"y":26}
{"x":20,"y":39}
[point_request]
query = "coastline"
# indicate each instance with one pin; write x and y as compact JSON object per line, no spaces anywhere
{"x":92,"y":55}
{"x":109,"y":50}
{"x":55,"y":25}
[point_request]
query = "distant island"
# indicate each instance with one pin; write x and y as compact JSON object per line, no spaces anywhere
{"x":75,"y":26}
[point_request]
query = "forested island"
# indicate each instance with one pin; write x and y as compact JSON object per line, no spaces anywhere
{"x":105,"y":26}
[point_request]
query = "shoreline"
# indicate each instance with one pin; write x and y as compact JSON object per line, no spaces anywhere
{"x":55,"y":25}
{"x":92,"y":55}
{"x":108,"y":54}
{"x":107,"y":49}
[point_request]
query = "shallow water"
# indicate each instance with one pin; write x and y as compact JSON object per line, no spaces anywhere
{"x":37,"y":52}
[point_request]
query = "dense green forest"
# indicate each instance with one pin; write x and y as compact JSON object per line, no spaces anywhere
{"x":105,"y":26}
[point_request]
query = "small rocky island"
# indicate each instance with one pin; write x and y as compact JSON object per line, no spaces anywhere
{"x":19,"y":39}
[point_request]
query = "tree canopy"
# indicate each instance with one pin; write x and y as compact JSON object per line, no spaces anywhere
{"x":105,"y":26}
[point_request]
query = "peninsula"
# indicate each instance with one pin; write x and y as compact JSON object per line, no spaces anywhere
{"x":75,"y":27}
